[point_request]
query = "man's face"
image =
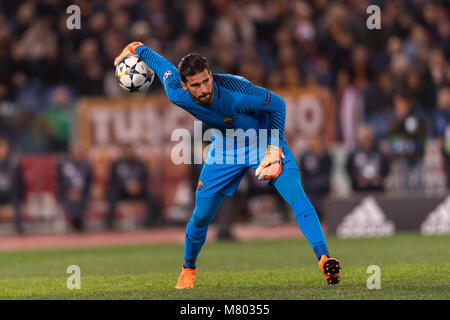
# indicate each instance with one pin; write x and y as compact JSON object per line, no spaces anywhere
{"x":76,"y":153}
{"x":4,"y":149}
{"x":200,"y":86}
{"x":402,"y":107}
{"x":315,"y":144}
{"x":444,"y":98}
{"x":365,"y":137}
{"x":127,"y":151}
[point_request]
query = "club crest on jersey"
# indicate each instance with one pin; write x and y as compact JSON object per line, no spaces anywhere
{"x":200,"y":185}
{"x":228,"y":120}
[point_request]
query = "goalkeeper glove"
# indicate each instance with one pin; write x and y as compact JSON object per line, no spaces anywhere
{"x":130,"y":50}
{"x":270,"y":166}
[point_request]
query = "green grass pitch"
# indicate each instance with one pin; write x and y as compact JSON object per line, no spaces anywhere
{"x":412,"y":267}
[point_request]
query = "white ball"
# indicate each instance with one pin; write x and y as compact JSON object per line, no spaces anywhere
{"x":134,"y":75}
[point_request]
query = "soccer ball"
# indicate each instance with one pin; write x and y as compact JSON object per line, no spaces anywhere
{"x":134,"y":75}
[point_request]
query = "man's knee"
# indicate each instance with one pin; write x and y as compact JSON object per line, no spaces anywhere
{"x":205,"y":210}
{"x":201,"y":218}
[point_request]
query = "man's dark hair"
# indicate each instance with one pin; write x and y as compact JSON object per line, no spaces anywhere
{"x":192,"y":64}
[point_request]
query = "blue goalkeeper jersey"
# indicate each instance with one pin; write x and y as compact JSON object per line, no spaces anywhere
{"x":237,"y":104}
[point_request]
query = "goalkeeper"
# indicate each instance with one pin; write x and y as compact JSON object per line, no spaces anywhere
{"x":224,"y":102}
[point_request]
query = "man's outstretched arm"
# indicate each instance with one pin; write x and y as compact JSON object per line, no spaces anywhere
{"x":165,"y":70}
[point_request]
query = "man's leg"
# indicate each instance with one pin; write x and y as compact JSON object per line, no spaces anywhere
{"x":215,"y":182}
{"x":15,"y":202}
{"x":197,"y":227}
{"x":196,"y":230}
{"x":289,"y":187}
{"x":78,"y":215}
{"x":74,"y":211}
{"x":153,"y":216}
{"x":113,"y":198}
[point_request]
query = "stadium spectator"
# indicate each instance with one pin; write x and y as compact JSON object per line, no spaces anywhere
{"x":366,"y":165}
{"x":407,"y":134}
{"x":315,"y":166}
{"x":74,"y":179}
{"x":420,"y":88}
{"x":378,"y":104}
{"x":57,"y":119}
{"x":348,"y":99}
{"x":441,"y":126}
{"x":128,"y":180}
{"x":12,"y":185}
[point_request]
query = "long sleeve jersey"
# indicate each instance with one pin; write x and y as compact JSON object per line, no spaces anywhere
{"x":237,"y":103}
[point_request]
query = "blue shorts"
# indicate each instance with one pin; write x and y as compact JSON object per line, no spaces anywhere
{"x":223,"y":179}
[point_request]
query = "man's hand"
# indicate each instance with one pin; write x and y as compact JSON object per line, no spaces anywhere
{"x":130,"y":50}
{"x":270,"y":167}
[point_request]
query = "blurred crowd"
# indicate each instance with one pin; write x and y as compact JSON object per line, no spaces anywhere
{"x":278,"y":44}
{"x":390,"y":85}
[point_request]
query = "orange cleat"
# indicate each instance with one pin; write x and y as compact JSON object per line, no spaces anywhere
{"x":330,"y":268}
{"x":186,"y":278}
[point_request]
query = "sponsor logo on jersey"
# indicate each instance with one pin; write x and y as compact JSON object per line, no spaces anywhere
{"x":200,"y":185}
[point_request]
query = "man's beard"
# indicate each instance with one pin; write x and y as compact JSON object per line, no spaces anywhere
{"x":205,"y":104}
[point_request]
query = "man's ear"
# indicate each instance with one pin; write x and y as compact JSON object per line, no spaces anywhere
{"x":184,"y":86}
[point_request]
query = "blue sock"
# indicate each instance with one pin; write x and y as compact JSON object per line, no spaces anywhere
{"x":309,"y":224}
